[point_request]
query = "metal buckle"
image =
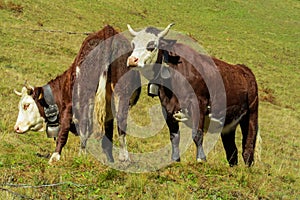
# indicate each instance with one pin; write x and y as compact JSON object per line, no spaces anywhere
{"x":51,"y":113}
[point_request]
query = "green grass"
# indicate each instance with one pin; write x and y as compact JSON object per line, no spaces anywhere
{"x":264,"y":35}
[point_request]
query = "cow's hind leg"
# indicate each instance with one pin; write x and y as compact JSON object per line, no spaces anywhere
{"x":83,"y":141}
{"x":174,"y":137}
{"x":249,"y":126}
{"x":228,"y":140}
{"x":198,"y":140}
{"x":107,"y":141}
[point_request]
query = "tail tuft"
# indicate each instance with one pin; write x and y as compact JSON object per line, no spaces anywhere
{"x":258,"y":148}
{"x":100,"y":103}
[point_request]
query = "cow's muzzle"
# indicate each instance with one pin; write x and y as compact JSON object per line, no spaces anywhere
{"x":132,"y":61}
{"x":18,"y":129}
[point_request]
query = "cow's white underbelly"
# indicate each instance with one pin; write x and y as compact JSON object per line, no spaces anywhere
{"x":232,"y":126}
{"x":211,"y":125}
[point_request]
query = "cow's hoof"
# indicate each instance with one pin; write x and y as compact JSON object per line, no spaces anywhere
{"x":124,"y":156}
{"x":82,"y":152}
{"x":232,"y":164}
{"x":201,"y":160}
{"x":176,"y":159}
{"x":55,"y":157}
{"x":110,"y":159}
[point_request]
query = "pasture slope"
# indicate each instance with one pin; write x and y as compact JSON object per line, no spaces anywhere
{"x":264,"y":35}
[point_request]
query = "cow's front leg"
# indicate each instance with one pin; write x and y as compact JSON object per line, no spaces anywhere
{"x":65,"y":121}
{"x":107,"y":141}
{"x":123,"y":155}
{"x":174,"y":137}
{"x":60,"y":143}
{"x":122,"y":113}
{"x":198,"y":118}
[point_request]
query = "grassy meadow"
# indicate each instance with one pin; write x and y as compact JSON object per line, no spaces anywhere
{"x":39,"y":40}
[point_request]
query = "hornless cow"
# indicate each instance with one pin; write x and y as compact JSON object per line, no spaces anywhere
{"x":195,"y":87}
{"x":52,"y":104}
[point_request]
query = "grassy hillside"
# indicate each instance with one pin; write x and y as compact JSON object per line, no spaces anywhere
{"x":264,"y":35}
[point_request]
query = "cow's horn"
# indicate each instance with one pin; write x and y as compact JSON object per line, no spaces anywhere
{"x":165,"y":32}
{"x":28,"y":87}
{"x":17,"y":93}
{"x":132,"y":32}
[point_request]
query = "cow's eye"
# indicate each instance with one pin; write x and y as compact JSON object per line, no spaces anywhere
{"x":26,"y":106}
{"x":151,"y":46}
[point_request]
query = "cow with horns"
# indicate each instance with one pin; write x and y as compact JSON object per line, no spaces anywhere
{"x":199,"y":89}
{"x":53,"y":105}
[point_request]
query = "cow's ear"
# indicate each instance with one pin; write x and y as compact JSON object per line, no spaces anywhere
{"x":30,"y":91}
{"x":166,"y":44}
{"x":38,"y":93}
{"x":41,"y":96}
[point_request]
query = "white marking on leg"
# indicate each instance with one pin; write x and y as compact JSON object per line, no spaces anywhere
{"x":123,"y":155}
{"x":55,"y":157}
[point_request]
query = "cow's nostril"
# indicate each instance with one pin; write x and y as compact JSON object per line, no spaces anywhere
{"x":17,"y":129}
{"x":132,"y":61}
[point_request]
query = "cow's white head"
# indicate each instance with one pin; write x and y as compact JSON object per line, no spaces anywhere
{"x":29,"y":117}
{"x":145,"y":45}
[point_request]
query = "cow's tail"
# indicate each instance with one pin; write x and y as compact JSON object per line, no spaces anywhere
{"x":100,"y":102}
{"x":258,"y":147}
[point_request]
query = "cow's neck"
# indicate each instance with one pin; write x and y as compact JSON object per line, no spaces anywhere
{"x":48,"y":95}
{"x":65,"y":80}
{"x":37,"y":91}
{"x":62,"y":86}
{"x":161,"y":74}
